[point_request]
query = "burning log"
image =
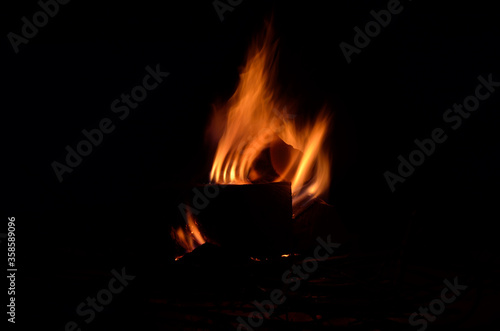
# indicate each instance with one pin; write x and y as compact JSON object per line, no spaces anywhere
{"x":262,"y":158}
{"x":254,"y":219}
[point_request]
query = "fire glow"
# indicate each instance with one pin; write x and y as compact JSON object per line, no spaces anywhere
{"x":251,"y":126}
{"x":190,"y":237}
{"x":258,"y":141}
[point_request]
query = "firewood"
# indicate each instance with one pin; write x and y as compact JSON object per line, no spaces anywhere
{"x":255,"y":219}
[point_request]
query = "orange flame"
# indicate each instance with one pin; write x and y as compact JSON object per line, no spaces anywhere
{"x":189,"y":237}
{"x":251,"y":126}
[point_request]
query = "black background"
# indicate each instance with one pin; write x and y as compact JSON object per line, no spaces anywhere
{"x":117,"y":207}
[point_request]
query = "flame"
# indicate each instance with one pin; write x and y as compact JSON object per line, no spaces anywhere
{"x":189,"y":237}
{"x":250,"y":121}
{"x":251,"y":124}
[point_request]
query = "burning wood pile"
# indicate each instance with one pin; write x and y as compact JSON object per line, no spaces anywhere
{"x":262,"y":209}
{"x":271,"y":167}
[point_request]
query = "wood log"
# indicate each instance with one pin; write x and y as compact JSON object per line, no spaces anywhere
{"x":254,"y":219}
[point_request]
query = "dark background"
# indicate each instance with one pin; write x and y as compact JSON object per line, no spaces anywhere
{"x":117,"y":207}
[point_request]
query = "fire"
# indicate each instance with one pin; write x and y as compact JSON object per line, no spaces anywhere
{"x":252,"y":125}
{"x":189,"y":237}
{"x":255,"y":125}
